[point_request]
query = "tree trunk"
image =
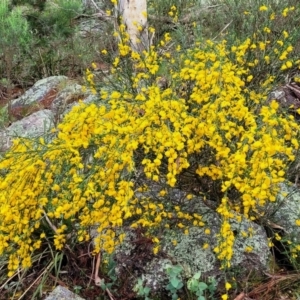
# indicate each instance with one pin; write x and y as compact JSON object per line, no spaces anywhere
{"x":134,"y":17}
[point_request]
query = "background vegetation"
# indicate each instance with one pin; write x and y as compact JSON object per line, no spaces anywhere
{"x":195,"y":103}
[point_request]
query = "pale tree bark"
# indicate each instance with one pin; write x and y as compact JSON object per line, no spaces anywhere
{"x":134,"y":17}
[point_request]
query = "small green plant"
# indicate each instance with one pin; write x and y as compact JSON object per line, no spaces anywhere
{"x":175,"y":280}
{"x":15,"y":41}
{"x":198,"y":288}
{"x":141,"y":290}
{"x":110,"y":270}
{"x":77,"y":289}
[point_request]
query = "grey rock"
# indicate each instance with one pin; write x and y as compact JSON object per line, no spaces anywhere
{"x":66,"y":99}
{"x":188,"y":251}
{"x":38,"y":91}
{"x":35,"y":125}
{"x":286,"y":210}
{"x":93,"y":5}
{"x":61,"y":293}
{"x":278,"y":94}
{"x":92,"y":27}
{"x":287,"y":96}
{"x":59,"y":93}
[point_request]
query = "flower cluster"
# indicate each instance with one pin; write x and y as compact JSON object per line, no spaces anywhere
{"x":86,"y":175}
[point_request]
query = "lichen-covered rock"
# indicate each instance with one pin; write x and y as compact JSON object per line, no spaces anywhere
{"x":192,"y":250}
{"x":61,"y":293}
{"x":286,"y":210}
{"x":40,"y":108}
{"x":66,"y":98}
{"x":35,"y":125}
{"x":39,"y":91}
{"x":70,"y":97}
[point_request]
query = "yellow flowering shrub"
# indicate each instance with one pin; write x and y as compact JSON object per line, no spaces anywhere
{"x":86,"y":174}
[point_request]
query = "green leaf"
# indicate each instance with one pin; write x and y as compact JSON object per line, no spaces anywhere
{"x":202,"y":285}
{"x":146,"y":290}
{"x":175,"y":282}
{"x":197,"y":275}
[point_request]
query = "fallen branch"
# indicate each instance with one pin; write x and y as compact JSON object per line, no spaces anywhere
{"x":226,"y":26}
{"x":98,"y":280}
{"x":241,"y":296}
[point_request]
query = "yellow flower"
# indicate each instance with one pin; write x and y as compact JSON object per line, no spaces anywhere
{"x":248,"y":249}
{"x":277,"y":236}
{"x":162,"y":193}
{"x":207,"y":231}
{"x":263,"y":8}
{"x":189,"y":196}
{"x":155,"y":250}
{"x":249,"y":78}
{"x":205,"y":246}
{"x":286,"y":65}
{"x":285,"y":34}
{"x":151,"y":29}
{"x":227,"y":286}
{"x":280,"y":43}
{"x":267,"y":59}
{"x":285,"y":12}
{"x":155,"y":240}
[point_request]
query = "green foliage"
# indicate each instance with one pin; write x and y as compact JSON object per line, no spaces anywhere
{"x":57,"y":18}
{"x":16,"y":38}
{"x":176,"y":285}
{"x":199,"y":288}
{"x":40,"y":39}
{"x":51,"y":18}
{"x":175,"y":280}
{"x":13,"y":26}
{"x":39,"y":4}
{"x":110,"y":270}
{"x":55,"y":28}
{"x":141,"y":290}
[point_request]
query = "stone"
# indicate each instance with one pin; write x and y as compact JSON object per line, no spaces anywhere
{"x":39,"y":90}
{"x":62,"y":293}
{"x":188,"y":250}
{"x":284,"y":212}
{"x":35,"y":125}
{"x":41,"y":108}
{"x":38,"y":97}
{"x":66,"y":99}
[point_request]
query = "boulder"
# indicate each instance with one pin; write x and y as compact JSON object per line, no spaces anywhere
{"x":38,"y":97}
{"x":193,"y":251}
{"x":62,"y":293}
{"x":285,"y":211}
{"x":41,"y":107}
{"x":35,"y":125}
{"x":67,"y":98}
